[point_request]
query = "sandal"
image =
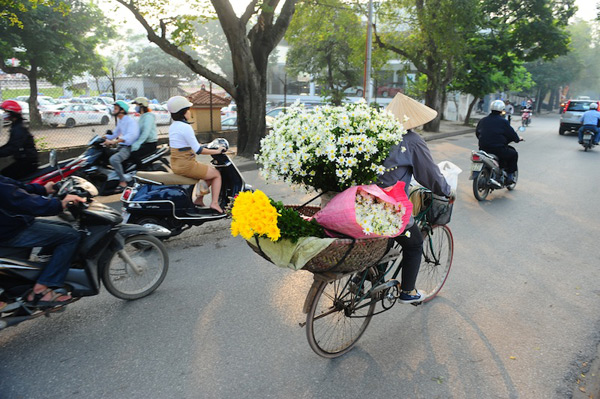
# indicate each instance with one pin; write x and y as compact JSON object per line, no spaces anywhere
{"x":37,"y":302}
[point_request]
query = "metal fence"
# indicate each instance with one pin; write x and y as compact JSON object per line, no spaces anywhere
{"x":72,"y":114}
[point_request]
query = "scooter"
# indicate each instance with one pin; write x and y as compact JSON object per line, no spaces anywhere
{"x":588,"y":139}
{"x":487,"y":175}
{"x":129,"y":260}
{"x":93,"y":165}
{"x":167,"y":199}
{"x":526,"y":117}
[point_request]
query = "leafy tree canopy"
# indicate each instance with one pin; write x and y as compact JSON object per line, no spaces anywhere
{"x":152,"y":61}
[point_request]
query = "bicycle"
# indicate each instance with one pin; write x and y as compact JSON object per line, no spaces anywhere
{"x":339,"y":306}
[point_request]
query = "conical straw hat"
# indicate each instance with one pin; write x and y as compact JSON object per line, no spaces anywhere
{"x":417,"y":113}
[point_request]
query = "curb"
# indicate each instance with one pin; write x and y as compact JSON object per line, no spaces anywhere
{"x":246,"y":165}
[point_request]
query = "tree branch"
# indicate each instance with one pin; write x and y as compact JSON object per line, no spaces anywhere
{"x":170,"y":48}
{"x":250,"y":11}
{"x":13,"y":70}
{"x":386,"y":46}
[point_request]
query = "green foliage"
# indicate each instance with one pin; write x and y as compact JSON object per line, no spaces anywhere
{"x":41,"y":143}
{"x":54,"y":45}
{"x":11,"y":9}
{"x":151,"y":60}
{"x":293,"y":226}
{"x":327,"y":41}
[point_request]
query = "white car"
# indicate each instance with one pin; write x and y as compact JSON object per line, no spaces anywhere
{"x":163,"y":117}
{"x":70,"y":115}
{"x":229,"y":123}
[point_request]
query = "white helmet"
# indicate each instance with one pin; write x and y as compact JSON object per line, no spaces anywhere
{"x":497,"y":105}
{"x":177,"y":103}
{"x":594,"y":106}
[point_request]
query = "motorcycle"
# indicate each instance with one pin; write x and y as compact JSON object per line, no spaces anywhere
{"x":93,"y":165}
{"x":128,"y":259}
{"x":487,"y":175}
{"x":167,"y":199}
{"x":588,"y":139}
{"x":526,"y":117}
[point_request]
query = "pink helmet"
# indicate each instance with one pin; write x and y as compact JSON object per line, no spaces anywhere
{"x":12,"y":106}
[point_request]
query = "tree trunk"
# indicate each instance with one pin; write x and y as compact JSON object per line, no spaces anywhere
{"x":469,"y":110}
{"x":35,"y":120}
{"x":251,"y":102}
{"x":433,"y":99}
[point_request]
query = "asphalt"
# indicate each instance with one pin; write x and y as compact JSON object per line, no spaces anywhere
{"x":447,"y":129}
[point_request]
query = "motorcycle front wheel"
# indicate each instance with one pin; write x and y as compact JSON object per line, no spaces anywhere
{"x":138,"y":269}
{"x":481,"y":187}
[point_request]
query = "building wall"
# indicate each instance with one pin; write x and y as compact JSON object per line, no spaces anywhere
{"x":201,"y":119}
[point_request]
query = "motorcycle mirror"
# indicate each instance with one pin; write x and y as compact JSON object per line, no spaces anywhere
{"x":53,"y":159}
{"x":521,"y":128}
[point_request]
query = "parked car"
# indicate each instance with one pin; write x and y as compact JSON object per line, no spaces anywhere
{"x":229,"y":123}
{"x":570,"y":119}
{"x":230,"y":110}
{"x":93,"y":102}
{"x":163,"y":116}
{"x":390,"y":89}
{"x":70,"y":115}
{"x":45,"y":103}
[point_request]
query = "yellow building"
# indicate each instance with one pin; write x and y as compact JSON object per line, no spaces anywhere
{"x":205,"y":105}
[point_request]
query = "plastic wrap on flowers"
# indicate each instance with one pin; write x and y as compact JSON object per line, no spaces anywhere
{"x":346,"y":213}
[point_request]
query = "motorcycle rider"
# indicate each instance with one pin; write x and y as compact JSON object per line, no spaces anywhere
{"x":408,"y":158}
{"x":590,"y":120}
{"x":494,"y":134}
{"x":185,"y":146}
{"x":125,"y":134}
{"x":146,"y":142}
{"x":510,"y":110}
{"x":20,"y":204}
{"x":20,"y":145}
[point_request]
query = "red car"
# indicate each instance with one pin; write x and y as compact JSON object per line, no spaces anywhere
{"x":390,"y":89}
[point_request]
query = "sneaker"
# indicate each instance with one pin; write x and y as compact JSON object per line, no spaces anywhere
{"x":581,"y":142}
{"x":411,"y":297}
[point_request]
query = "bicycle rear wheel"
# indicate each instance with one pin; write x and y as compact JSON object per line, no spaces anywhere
{"x":438,"y":250}
{"x":339,"y":314}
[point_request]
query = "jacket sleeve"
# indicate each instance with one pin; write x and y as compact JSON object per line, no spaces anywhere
{"x":511,"y":135}
{"x":145,"y":124}
{"x":425,"y":170}
{"x":17,"y":200}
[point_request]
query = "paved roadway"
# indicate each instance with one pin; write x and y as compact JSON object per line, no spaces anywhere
{"x":516,"y":319}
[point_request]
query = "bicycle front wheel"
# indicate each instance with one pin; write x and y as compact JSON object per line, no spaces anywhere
{"x":339,"y":315}
{"x":438,"y":250}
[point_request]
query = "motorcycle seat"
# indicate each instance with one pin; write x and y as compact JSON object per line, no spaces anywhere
{"x":166,"y":178}
{"x":494,"y":157}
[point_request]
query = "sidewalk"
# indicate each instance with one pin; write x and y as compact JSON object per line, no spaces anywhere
{"x":447,"y":129}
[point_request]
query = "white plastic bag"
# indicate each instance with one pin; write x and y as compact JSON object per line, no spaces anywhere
{"x":450,"y":172}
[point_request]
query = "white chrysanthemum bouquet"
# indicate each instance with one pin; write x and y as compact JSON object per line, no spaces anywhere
{"x":329,"y":148}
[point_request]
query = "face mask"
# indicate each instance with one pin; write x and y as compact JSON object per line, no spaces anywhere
{"x":5,"y":116}
{"x":137,"y":109}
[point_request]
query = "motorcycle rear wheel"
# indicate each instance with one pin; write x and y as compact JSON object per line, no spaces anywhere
{"x":150,"y":255}
{"x":511,"y":187}
{"x":481,"y":187}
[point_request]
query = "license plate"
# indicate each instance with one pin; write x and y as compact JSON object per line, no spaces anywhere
{"x":125,"y":216}
{"x":476,"y":166}
{"x":587,"y":136}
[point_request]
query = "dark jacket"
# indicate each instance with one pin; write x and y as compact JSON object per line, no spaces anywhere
{"x":494,"y":131}
{"x":414,"y":160}
{"x":20,"y":144}
{"x":19,"y":205}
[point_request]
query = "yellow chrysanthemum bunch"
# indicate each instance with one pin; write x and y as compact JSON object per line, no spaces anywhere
{"x":252,"y":213}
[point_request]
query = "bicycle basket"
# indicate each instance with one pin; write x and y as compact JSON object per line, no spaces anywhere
{"x":342,"y":255}
{"x":431,"y":208}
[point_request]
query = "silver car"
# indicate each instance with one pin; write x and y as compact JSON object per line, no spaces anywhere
{"x":570,"y":119}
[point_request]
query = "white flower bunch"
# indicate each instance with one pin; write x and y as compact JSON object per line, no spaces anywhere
{"x":329,"y":148}
{"x":376,"y":216}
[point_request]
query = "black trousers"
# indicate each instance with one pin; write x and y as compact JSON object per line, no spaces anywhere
{"x":19,"y":169}
{"x":145,"y":150}
{"x":509,"y":157}
{"x":412,"y":251}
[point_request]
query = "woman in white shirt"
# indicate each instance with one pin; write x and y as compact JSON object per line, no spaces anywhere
{"x":185,"y":146}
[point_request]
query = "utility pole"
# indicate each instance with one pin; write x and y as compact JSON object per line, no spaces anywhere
{"x":367,"y":77}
